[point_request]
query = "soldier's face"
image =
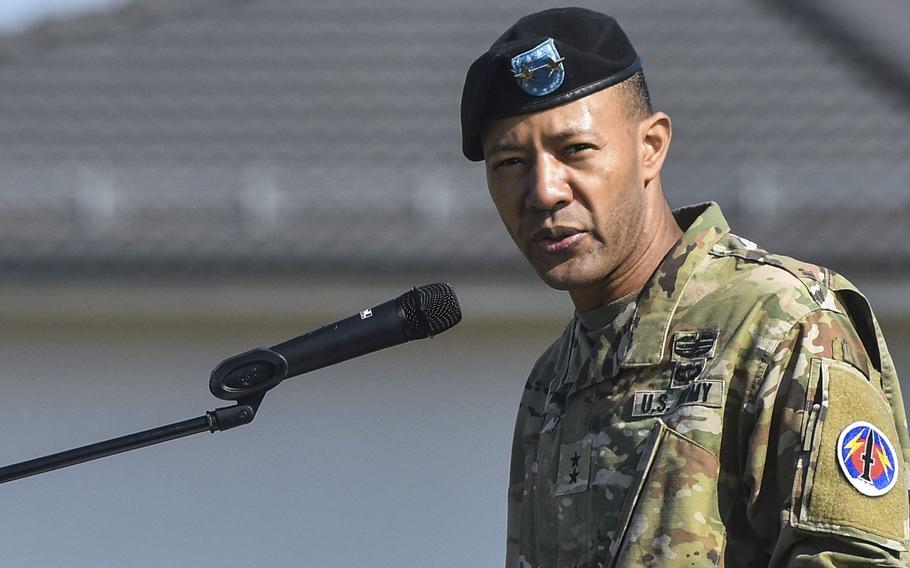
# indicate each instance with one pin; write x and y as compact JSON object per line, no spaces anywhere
{"x":568,"y":184}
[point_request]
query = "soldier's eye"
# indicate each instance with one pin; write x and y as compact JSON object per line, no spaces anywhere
{"x":505,"y":163}
{"x":578,"y":148}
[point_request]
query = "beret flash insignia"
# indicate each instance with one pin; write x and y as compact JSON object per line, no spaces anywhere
{"x":539,"y":71}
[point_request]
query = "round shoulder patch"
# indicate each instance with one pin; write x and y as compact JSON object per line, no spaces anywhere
{"x":867,"y":458}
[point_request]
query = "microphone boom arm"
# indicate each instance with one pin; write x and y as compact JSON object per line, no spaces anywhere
{"x":213,"y":421}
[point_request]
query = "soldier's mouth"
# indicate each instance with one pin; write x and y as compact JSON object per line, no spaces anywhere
{"x":557,"y":239}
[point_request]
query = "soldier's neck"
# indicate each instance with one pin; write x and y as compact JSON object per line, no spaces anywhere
{"x":636,"y":272}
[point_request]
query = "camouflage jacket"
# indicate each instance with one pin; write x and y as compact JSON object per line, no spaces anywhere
{"x":742,"y":411}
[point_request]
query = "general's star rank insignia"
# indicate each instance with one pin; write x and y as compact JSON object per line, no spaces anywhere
{"x":574,"y":468}
{"x":867,"y":458}
{"x":539,"y":71}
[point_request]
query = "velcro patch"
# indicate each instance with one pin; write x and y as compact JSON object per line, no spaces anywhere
{"x":686,"y":372}
{"x":694,"y":344}
{"x":574,"y":468}
{"x":657,"y":403}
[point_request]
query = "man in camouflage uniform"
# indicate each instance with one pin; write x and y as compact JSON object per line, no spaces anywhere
{"x":709,"y":403}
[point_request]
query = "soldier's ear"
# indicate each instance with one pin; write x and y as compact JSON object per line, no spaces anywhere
{"x":654,"y":133}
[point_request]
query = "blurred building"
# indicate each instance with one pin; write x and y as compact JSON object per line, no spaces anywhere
{"x":184,"y":180}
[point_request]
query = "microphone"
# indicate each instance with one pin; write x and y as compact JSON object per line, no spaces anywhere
{"x":422,"y":312}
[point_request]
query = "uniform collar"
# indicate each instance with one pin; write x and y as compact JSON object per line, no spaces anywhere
{"x":703,"y":226}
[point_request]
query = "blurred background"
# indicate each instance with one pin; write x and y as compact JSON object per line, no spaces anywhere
{"x":183,"y":180}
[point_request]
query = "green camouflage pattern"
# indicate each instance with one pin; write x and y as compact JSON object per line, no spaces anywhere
{"x":687,"y":433}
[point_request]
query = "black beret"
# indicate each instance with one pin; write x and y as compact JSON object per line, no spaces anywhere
{"x":546,"y":59}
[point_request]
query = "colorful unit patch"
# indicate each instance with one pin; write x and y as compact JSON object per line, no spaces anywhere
{"x":867,"y":458}
{"x":539,"y":71}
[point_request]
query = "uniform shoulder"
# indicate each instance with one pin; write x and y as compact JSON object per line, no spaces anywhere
{"x":798,"y":291}
{"x":798,"y":287}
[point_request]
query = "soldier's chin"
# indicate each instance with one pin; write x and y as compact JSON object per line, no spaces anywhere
{"x":561,"y":278}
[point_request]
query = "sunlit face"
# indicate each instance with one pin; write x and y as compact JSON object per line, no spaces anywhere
{"x":568,"y":184}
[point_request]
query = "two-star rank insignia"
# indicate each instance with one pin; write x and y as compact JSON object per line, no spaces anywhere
{"x":574,"y":468}
{"x":867,"y":458}
{"x":539,"y":71}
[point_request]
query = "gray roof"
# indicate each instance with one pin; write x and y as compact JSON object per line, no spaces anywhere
{"x":274,"y":135}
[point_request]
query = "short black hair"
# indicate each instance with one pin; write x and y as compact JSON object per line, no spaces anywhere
{"x":636,"y":96}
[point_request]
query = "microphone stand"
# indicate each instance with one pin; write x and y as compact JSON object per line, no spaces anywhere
{"x":245,"y":378}
{"x":214,"y":420}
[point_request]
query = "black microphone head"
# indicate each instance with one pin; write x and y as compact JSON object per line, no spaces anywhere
{"x":429,"y":310}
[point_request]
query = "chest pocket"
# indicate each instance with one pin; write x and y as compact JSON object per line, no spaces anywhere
{"x":655,"y":505}
{"x":670,"y":515}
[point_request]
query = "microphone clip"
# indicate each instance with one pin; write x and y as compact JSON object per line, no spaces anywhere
{"x":248,"y":374}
